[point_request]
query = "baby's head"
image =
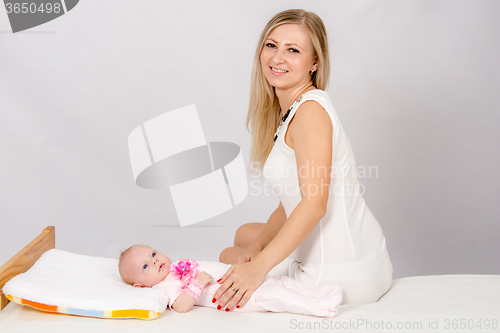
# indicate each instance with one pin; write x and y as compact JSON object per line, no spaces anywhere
{"x":141,"y":266}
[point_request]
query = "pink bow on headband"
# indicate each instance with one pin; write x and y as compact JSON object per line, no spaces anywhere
{"x":184,"y":270}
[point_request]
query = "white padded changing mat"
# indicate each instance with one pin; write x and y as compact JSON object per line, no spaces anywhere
{"x":441,"y":303}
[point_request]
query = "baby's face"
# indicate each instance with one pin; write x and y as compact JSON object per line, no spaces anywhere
{"x":146,"y":267}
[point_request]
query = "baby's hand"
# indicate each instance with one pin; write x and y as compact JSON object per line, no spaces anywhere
{"x":204,"y":278}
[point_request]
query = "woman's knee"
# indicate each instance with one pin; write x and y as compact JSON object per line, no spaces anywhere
{"x":247,"y":233}
{"x":224,"y":255}
{"x":229,"y":255}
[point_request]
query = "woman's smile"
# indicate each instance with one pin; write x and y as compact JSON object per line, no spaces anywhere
{"x":277,"y":71}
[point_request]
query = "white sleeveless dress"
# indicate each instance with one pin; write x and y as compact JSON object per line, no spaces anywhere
{"x":347,"y":246}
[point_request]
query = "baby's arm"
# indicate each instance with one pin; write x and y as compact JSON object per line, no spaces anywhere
{"x":184,"y":302}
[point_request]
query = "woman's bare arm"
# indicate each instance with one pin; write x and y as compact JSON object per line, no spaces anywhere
{"x":314,"y":189}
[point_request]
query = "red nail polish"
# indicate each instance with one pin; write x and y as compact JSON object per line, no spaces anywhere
{"x":219,"y":280}
{"x":218,"y":307}
{"x":214,"y":300}
{"x":227,"y":309}
{"x":237,"y":306}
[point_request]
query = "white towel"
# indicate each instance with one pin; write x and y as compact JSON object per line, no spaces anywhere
{"x":82,"y":282}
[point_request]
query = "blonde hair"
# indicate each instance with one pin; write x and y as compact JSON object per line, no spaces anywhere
{"x":264,"y":109}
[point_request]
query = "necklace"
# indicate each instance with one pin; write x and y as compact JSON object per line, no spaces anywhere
{"x":284,"y":118}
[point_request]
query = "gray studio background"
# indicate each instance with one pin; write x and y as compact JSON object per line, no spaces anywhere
{"x":415,"y":84}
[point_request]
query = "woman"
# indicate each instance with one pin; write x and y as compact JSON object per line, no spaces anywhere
{"x":322,"y":231}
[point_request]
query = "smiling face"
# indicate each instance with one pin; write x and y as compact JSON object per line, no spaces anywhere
{"x":144,"y":267}
{"x":287,"y":57}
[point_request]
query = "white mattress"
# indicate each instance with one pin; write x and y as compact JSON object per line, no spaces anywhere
{"x":441,"y":303}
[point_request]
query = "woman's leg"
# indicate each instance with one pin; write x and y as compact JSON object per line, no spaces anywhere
{"x":247,"y":233}
{"x":244,"y":236}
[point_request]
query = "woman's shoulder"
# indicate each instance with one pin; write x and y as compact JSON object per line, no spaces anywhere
{"x":319,"y":96}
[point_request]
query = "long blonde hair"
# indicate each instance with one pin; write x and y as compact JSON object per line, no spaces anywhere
{"x":264,"y":109}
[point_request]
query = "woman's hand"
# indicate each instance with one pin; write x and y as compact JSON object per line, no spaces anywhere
{"x":247,"y":255}
{"x":238,"y":284}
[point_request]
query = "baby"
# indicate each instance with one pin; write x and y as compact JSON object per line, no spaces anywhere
{"x":190,"y":283}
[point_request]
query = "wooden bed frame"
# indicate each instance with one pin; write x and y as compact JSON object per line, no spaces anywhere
{"x":25,"y":258}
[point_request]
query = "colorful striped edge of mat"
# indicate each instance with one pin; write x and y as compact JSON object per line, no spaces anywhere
{"x":110,"y":314}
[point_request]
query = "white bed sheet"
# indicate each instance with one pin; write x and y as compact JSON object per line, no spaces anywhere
{"x":440,"y":303}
